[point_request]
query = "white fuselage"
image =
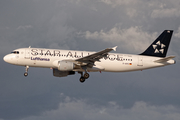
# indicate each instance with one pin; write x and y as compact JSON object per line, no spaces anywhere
{"x":114,"y":62}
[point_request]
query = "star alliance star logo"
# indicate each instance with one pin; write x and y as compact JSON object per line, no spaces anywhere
{"x":159,"y":47}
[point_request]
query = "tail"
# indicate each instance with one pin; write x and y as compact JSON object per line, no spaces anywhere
{"x":160,"y":46}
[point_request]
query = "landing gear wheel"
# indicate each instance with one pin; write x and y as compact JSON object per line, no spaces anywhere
{"x":82,"y":79}
{"x":25,"y":74}
{"x":86,"y":75}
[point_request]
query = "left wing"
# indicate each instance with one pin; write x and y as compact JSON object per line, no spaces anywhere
{"x":90,"y":59}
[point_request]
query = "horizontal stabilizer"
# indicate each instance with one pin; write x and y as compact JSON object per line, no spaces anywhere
{"x":164,"y":59}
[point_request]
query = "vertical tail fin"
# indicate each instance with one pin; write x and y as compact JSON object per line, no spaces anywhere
{"x":160,"y":46}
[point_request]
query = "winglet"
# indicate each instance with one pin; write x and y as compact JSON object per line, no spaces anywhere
{"x":114,"y":48}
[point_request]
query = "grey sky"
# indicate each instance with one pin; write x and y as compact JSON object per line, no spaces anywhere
{"x":90,"y":25}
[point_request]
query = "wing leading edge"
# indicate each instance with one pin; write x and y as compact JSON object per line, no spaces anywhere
{"x":96,"y":56}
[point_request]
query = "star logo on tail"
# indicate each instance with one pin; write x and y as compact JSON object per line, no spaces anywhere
{"x":159,"y":47}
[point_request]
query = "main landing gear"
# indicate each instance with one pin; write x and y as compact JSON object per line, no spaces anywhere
{"x":26,"y":73}
{"x":83,"y":77}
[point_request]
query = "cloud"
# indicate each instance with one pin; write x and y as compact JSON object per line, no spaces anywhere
{"x":130,"y":39}
{"x":80,"y":109}
{"x":115,"y":3}
{"x":177,"y":34}
{"x":24,"y":27}
{"x":165,"y":13}
{"x":156,"y":9}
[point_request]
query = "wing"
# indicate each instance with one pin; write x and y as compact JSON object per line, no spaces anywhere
{"x":90,"y":59}
{"x":164,"y":59}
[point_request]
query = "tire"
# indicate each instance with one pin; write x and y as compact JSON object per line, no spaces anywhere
{"x":25,"y":74}
{"x":86,"y":75}
{"x":82,"y":79}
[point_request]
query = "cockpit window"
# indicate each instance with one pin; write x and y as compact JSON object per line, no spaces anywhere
{"x":15,"y":52}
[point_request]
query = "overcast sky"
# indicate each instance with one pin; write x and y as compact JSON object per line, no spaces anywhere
{"x":90,"y":25}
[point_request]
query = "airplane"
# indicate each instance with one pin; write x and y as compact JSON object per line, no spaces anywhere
{"x":68,"y":62}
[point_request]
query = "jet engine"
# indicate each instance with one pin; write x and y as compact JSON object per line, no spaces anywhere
{"x":58,"y":73}
{"x":65,"y":66}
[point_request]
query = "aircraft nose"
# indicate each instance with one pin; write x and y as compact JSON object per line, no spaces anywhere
{"x":11,"y":59}
{"x":6,"y":58}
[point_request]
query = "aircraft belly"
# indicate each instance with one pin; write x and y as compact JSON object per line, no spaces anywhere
{"x":126,"y":66}
{"x":96,"y":68}
{"x":117,"y":66}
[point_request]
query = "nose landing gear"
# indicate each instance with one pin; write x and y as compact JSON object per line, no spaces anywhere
{"x":26,"y":73}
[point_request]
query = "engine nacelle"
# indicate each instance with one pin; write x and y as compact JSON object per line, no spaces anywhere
{"x":58,"y":73}
{"x":65,"y":66}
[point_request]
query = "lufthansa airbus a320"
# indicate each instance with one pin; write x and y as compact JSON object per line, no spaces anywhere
{"x":68,"y":62}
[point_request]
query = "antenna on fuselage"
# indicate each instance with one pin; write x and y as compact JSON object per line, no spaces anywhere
{"x":29,"y":46}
